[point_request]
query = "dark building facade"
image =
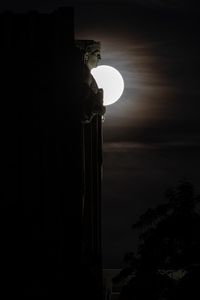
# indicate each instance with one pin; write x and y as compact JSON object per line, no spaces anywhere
{"x":52,"y":162}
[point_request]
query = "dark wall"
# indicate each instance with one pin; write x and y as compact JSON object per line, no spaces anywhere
{"x":42,"y":158}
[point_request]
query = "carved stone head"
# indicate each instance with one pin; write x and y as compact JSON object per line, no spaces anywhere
{"x":90,"y":52}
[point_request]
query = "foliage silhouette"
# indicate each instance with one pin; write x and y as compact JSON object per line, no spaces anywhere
{"x":167,"y":262}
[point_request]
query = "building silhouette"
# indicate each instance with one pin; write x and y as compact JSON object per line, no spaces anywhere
{"x":51,"y":162}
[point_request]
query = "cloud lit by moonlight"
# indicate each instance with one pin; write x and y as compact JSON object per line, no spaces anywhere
{"x":111,"y":81}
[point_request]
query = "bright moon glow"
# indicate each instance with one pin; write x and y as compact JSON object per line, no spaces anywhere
{"x":111,"y":81}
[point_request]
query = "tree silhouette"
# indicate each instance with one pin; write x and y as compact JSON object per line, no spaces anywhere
{"x":168,"y":256}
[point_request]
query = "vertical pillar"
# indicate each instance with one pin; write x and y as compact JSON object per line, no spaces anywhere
{"x":92,"y":252}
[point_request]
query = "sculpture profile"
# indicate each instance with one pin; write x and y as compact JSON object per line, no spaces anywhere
{"x":92,"y":96}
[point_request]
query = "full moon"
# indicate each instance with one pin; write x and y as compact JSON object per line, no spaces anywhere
{"x":111,"y":81}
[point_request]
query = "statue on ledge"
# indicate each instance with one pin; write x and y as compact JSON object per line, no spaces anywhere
{"x":92,"y":96}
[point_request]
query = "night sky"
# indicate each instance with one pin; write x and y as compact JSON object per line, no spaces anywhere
{"x":151,"y":135}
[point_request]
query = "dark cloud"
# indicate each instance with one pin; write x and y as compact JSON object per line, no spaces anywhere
{"x":175,"y":5}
